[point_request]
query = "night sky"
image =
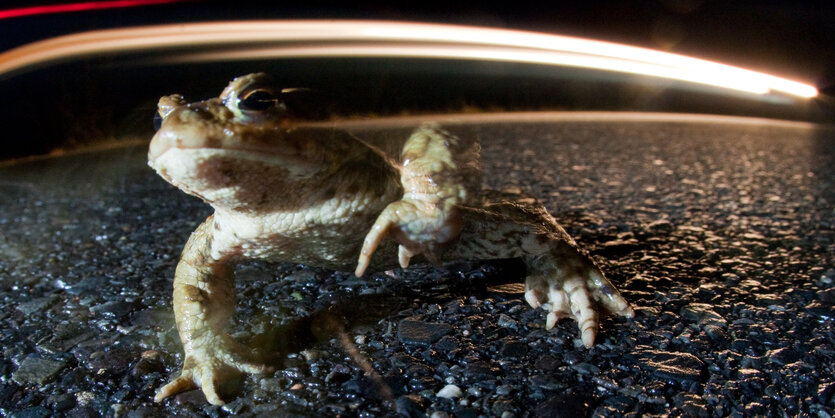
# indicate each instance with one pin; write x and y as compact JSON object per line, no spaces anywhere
{"x":791,"y":39}
{"x":86,"y":102}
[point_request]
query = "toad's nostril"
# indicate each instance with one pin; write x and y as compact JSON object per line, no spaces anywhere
{"x":166,"y":105}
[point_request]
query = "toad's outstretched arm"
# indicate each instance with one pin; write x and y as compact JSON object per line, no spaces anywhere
{"x":439,"y":174}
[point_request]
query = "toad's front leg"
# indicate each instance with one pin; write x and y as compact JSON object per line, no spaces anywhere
{"x":203,"y":303}
{"x":439,"y":173}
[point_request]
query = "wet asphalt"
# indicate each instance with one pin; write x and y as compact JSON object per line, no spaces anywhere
{"x":719,"y":232}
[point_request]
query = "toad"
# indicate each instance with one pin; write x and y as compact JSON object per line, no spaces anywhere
{"x":285,"y":190}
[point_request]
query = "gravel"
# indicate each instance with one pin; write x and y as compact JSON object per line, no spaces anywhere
{"x":421,"y":333}
{"x":37,"y":371}
{"x":721,"y":234}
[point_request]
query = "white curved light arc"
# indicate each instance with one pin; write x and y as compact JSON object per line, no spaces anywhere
{"x":492,"y":54}
{"x":419,"y":40}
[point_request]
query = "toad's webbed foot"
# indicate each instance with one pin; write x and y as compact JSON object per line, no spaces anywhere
{"x":561,"y":278}
{"x":574,"y":293}
{"x":212,"y":362}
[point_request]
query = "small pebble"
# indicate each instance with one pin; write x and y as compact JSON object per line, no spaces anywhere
{"x":450,"y":391}
{"x":37,"y":371}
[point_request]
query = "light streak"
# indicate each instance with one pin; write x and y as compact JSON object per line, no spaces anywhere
{"x":319,"y":38}
{"x":77,"y":7}
{"x":407,"y":50}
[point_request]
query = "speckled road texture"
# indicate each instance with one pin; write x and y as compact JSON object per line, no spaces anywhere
{"x":719,"y":231}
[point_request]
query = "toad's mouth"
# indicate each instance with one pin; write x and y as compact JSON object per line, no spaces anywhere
{"x":228,"y":177}
{"x":159,"y":156}
{"x":179,"y":165}
{"x":278,"y":151}
{"x":166,"y":140}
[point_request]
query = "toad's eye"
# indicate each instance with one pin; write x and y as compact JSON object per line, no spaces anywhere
{"x":258,"y":100}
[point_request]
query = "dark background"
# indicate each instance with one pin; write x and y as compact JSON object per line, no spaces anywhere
{"x":74,"y":104}
{"x":792,"y":39}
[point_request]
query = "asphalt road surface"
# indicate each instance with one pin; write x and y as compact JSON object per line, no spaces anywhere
{"x":719,"y":231}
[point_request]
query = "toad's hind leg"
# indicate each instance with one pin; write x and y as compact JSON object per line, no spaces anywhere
{"x":567,"y":284}
{"x":560,"y":278}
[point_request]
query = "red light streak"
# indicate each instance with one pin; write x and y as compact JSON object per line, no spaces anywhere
{"x":78,"y":7}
